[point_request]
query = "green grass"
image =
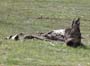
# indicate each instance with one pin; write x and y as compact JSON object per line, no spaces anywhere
{"x":21,"y":16}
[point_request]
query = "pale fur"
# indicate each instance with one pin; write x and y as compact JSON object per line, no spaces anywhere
{"x":59,"y":31}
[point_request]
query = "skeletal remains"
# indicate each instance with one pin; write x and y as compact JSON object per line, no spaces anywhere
{"x":71,"y":36}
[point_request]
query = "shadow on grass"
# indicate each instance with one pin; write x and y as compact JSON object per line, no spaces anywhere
{"x":83,"y":46}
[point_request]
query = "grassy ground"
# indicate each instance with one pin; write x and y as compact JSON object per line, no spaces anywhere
{"x":22,"y":16}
